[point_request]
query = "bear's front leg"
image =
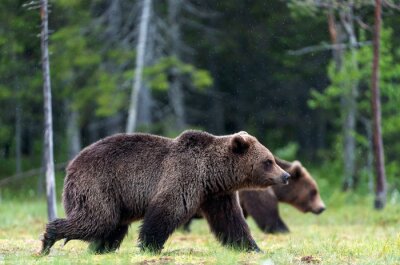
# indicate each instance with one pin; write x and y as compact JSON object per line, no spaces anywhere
{"x":227,"y":222}
{"x":163,"y":216}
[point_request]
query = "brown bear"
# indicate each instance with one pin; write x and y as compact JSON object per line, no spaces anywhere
{"x":301,"y":192}
{"x":262,"y":205}
{"x":127,"y":177}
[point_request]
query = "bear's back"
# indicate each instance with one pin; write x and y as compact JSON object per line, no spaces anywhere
{"x":115,"y":152}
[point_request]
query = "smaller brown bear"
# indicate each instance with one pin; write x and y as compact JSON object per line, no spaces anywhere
{"x":262,"y":205}
{"x":301,"y":192}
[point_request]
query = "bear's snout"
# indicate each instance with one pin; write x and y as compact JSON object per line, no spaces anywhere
{"x":285,"y":178}
{"x":319,"y":210}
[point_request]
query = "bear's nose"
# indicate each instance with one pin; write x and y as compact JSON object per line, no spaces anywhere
{"x":285,"y":178}
{"x":320,"y":210}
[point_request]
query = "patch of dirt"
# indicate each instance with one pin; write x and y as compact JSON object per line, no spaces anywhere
{"x":161,"y":260}
{"x":186,"y":251}
{"x":309,"y":259}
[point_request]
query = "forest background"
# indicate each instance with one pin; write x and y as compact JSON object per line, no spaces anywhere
{"x":296,"y":74}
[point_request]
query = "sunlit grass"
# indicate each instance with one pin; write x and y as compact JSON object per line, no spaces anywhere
{"x":349,"y":232}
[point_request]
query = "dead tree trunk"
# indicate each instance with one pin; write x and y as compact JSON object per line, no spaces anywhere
{"x":48,"y":123}
{"x":145,"y":105}
{"x":349,"y":104}
{"x":18,"y":136}
{"x":141,"y":49}
{"x":73,"y":132}
{"x":175,"y":93}
{"x":380,"y":189}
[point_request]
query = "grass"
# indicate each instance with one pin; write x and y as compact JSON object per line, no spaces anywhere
{"x":349,"y":232}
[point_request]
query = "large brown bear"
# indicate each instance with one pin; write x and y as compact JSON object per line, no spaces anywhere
{"x":262,"y":205}
{"x":127,"y":177}
{"x":301,"y":192}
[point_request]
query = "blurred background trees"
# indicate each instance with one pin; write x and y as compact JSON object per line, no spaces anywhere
{"x":296,"y":74}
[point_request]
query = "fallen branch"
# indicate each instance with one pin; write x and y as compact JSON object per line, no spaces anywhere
{"x":29,"y":173}
{"x":325,"y":47}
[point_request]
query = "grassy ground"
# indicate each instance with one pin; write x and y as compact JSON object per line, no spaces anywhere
{"x":349,"y":232}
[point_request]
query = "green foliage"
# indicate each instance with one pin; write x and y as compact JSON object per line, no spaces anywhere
{"x":83,"y":73}
{"x":288,"y":152}
{"x":341,"y":82}
{"x":302,"y":8}
{"x":157,"y":75}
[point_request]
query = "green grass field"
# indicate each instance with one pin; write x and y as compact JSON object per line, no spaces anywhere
{"x":349,"y":232}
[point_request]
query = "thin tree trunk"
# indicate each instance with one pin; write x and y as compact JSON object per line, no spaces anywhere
{"x":175,"y":94}
{"x":380,"y":189}
{"x":73,"y":132}
{"x":18,"y":125}
{"x":18,"y":137}
{"x":370,"y":153}
{"x":145,"y":105}
{"x":217,"y":108}
{"x":349,"y":144}
{"x":349,"y":105}
{"x":48,"y":124}
{"x":176,"y":98}
{"x":145,"y":96}
{"x":141,"y":49}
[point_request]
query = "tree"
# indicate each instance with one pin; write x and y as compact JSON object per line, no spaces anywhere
{"x":380,"y":194}
{"x":141,"y":49}
{"x":343,"y":29}
{"x":349,"y":95}
{"x":48,"y":120}
{"x":175,"y":91}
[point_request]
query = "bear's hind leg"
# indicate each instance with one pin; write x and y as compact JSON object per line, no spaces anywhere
{"x":263,"y":207}
{"x":114,"y":240}
{"x":227,"y":222}
{"x":110,"y":243}
{"x":76,"y":228}
{"x":55,"y":230}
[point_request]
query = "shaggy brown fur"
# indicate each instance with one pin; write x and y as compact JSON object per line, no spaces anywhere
{"x":127,"y":177}
{"x":262,"y":205}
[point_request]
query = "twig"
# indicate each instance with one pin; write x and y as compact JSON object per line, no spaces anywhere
{"x":325,"y":47}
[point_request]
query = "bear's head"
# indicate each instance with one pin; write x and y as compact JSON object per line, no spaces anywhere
{"x":302,"y":190}
{"x":258,"y":164}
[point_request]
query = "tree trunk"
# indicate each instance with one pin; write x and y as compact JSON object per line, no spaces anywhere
{"x":48,"y":123}
{"x":141,"y":49}
{"x":175,"y":93}
{"x":349,"y":104}
{"x":176,"y":98}
{"x":380,"y":189}
{"x":217,"y":113}
{"x":73,"y":131}
{"x":145,"y":105}
{"x":18,"y":137}
{"x":370,"y":153}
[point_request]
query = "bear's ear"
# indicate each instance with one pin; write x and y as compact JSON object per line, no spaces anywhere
{"x":295,"y":169}
{"x":239,"y":145}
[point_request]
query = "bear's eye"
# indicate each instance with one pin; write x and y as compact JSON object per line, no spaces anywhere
{"x":313,"y":193}
{"x":267,"y":163}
